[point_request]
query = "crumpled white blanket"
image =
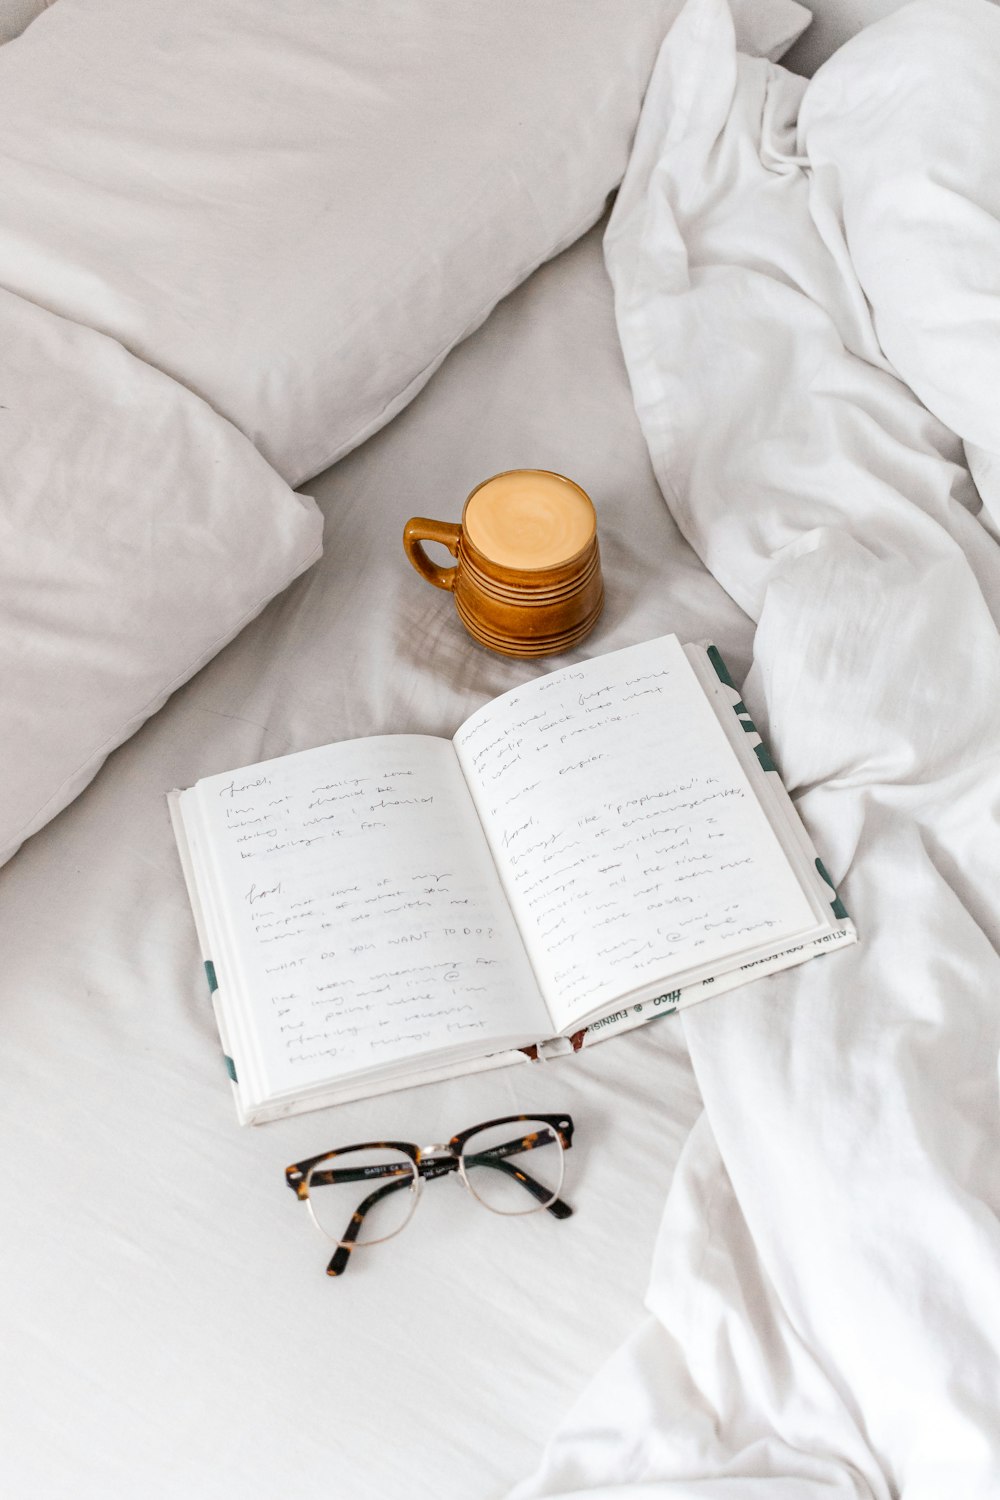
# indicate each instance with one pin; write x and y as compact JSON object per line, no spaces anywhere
{"x":824,"y":1304}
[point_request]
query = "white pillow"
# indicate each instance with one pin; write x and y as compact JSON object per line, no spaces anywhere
{"x":298,"y":208}
{"x":138,"y":532}
{"x":901,"y":129}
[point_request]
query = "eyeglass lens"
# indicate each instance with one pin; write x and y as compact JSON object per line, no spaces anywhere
{"x":514,"y":1168}
{"x":377,"y":1183}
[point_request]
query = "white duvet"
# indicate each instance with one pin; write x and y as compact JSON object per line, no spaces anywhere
{"x":824,"y":1306}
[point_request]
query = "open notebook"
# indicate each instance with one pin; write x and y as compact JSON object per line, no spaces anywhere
{"x":593,"y":849}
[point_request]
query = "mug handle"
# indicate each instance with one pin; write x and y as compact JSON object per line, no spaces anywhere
{"x":418,"y":530}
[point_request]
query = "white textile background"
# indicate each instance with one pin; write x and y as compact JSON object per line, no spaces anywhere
{"x":824,"y":1307}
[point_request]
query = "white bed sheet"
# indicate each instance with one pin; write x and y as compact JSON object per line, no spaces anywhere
{"x":166,"y":1326}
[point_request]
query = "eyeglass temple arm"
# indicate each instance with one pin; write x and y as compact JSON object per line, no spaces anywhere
{"x":336,"y":1176}
{"x":342,"y":1254}
{"x":558,"y":1208}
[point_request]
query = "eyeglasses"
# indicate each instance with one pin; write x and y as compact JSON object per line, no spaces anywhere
{"x":489,"y":1158}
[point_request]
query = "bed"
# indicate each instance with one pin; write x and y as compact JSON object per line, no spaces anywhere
{"x":756,"y":317}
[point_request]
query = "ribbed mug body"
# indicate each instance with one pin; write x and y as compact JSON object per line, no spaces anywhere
{"x":528,"y":612}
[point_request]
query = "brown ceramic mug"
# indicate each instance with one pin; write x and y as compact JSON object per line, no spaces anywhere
{"x":527,"y":575}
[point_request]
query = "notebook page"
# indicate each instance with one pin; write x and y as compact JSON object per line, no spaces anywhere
{"x":629,"y":841}
{"x":357,"y":907}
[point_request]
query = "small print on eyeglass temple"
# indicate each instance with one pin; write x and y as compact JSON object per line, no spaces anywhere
{"x":364,"y":1194}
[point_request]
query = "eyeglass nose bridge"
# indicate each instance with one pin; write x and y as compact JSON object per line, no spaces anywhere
{"x":437,"y":1160}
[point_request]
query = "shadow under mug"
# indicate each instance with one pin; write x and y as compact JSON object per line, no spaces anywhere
{"x":527,"y":576}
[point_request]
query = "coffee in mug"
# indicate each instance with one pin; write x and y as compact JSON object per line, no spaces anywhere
{"x":527,"y":576}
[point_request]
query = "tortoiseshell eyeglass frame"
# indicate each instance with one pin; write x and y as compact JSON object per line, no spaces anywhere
{"x":431,"y":1162}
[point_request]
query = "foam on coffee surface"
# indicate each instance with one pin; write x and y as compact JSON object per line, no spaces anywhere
{"x":529,"y":519}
